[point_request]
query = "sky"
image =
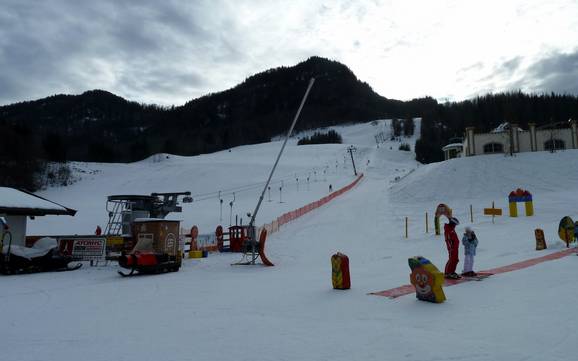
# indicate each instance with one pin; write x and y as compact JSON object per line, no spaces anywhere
{"x":169,"y":52}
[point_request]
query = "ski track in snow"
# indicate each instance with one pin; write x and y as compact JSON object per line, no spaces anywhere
{"x":212,"y":311}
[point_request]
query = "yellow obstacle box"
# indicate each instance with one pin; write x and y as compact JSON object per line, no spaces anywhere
{"x":567,"y":230}
{"x":427,"y":280}
{"x":520,"y":195}
{"x":540,"y":240}
{"x":195,"y":254}
{"x":441,"y":210}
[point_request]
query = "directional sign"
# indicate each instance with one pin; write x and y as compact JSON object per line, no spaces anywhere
{"x":492,"y":211}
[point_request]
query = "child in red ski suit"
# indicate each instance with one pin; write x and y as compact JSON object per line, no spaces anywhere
{"x":453,"y":245}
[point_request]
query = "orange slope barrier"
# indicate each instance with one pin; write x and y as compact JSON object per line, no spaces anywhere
{"x":262,"y":239}
{"x":407,"y":289}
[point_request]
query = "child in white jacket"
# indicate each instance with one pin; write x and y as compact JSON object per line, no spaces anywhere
{"x":470,"y":242}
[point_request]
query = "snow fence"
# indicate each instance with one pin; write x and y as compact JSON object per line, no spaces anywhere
{"x":290,"y":216}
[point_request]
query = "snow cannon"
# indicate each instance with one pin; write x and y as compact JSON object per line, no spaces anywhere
{"x":157,"y":248}
{"x":427,"y":280}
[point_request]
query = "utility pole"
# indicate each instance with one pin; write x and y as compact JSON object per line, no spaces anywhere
{"x":351,"y":150}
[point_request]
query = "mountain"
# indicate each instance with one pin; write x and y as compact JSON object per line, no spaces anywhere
{"x":264,"y":105}
{"x":100,"y":126}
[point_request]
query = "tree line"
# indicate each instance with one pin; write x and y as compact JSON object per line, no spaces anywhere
{"x":442,"y":122}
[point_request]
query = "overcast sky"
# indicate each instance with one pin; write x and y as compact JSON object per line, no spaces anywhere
{"x":168,"y":52}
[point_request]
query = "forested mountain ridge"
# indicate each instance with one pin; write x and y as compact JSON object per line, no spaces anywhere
{"x":100,"y":126}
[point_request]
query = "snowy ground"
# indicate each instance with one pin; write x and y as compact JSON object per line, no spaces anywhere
{"x":212,"y":311}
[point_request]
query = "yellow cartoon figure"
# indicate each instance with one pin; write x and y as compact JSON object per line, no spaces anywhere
{"x":427,"y":280}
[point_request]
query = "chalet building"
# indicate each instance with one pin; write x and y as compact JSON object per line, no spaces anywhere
{"x":510,"y":138}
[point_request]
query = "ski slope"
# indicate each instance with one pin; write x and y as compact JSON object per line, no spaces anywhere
{"x":210,"y":310}
{"x":237,"y":175}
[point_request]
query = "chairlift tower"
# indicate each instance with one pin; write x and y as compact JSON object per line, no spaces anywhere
{"x":351,"y":149}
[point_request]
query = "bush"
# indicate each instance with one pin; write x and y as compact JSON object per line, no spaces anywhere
{"x":331,"y":137}
{"x":404,"y":146}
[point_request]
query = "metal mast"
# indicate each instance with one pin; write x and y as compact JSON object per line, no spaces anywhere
{"x":254,"y":215}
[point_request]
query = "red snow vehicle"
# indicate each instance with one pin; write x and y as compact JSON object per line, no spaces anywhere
{"x":157,"y":248}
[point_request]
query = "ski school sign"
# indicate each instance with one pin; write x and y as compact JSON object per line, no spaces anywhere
{"x":84,"y":248}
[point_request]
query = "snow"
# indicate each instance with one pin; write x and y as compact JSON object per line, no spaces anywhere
{"x":210,"y":310}
{"x":504,"y":127}
{"x":13,"y":198}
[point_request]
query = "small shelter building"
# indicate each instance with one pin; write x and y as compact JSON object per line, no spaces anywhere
{"x":17,"y":205}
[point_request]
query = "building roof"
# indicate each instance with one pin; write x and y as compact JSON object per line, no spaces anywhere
{"x":453,"y":146}
{"x":19,"y":202}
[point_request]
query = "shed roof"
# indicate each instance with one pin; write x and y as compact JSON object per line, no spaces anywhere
{"x":453,"y":146}
{"x":20,"y":202}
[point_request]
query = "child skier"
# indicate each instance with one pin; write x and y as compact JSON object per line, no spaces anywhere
{"x":453,"y":245}
{"x":470,"y":242}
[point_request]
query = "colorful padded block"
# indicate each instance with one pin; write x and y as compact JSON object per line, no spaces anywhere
{"x":340,"y":271}
{"x":529,"y":208}
{"x":518,"y":196}
{"x":427,"y":280}
{"x":513,"y":209}
{"x":540,"y":240}
{"x":566,"y":230}
{"x":441,"y":210}
{"x":195,"y":254}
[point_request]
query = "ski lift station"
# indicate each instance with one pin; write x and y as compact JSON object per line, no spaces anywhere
{"x":17,"y":206}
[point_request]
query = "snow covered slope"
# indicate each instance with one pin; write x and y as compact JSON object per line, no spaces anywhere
{"x":212,"y":311}
{"x":491,"y":175}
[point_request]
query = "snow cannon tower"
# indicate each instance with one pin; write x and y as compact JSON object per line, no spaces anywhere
{"x":520,"y":195}
{"x":427,"y":280}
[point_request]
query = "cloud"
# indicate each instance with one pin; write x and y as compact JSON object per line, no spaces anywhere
{"x":556,"y":72}
{"x":150,"y":50}
{"x":511,"y":65}
{"x":168,"y":52}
